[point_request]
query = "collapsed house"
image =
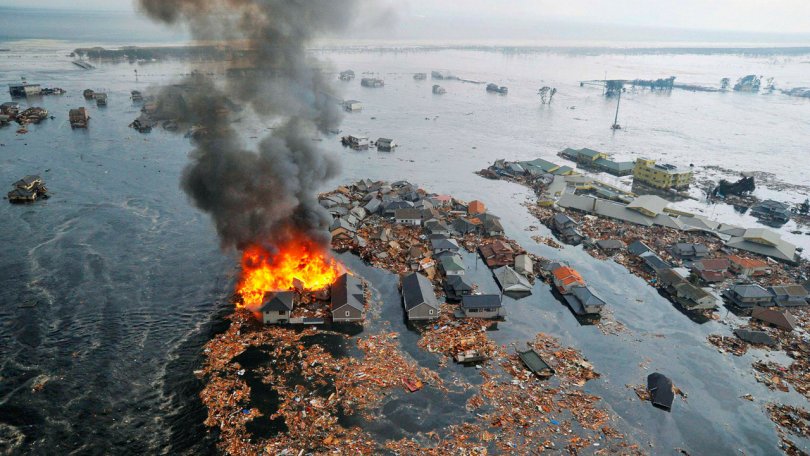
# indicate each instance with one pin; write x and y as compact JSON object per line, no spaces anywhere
{"x":497,"y":89}
{"x":352,"y":106}
{"x":497,"y":254}
{"x":78,"y":118}
{"x":27,"y":190}
{"x":24,"y":89}
{"x":780,"y":318}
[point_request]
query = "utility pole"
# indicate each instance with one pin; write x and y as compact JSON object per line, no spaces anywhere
{"x":616,"y":125}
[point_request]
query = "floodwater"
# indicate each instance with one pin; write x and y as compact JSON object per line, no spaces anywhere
{"x":111,"y":287}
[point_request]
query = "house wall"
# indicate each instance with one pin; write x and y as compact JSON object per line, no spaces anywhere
{"x":483,"y":313}
{"x":423,"y":312}
{"x":645,"y":171}
{"x":274,"y":316}
{"x":340,"y":314}
{"x":413,"y":222}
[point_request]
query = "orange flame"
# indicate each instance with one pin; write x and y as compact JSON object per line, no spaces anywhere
{"x":300,"y":260}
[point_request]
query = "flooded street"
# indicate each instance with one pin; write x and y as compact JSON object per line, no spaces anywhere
{"x":112,"y":286}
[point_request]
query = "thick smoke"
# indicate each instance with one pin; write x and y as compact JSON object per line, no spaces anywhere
{"x":261,"y":196}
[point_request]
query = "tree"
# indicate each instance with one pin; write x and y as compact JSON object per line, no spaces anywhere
{"x":547,"y":94}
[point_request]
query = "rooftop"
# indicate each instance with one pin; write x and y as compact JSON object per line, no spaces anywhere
{"x":489,"y":301}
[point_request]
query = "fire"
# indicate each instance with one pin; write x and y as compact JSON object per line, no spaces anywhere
{"x":300,"y":260}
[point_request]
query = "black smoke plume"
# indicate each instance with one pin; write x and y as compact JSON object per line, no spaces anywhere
{"x":267,"y":195}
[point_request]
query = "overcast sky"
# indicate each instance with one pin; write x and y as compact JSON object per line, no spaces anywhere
{"x":766,"y":16}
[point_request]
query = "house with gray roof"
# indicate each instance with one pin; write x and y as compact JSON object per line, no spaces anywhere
{"x":766,"y":243}
{"x":389,"y":209}
{"x":512,"y":281}
{"x":653,"y":263}
{"x":793,"y":295}
{"x":418,"y":297}
{"x":688,"y":252}
{"x":277,"y":307}
{"x":583,"y":302}
{"x":748,"y":295}
{"x":437,"y":227}
{"x":482,"y":306}
{"x":452,"y":265}
{"x":637,"y":248}
{"x":408,"y":216}
{"x":348,"y":301}
{"x":455,"y":287}
{"x":440,"y":245}
{"x":649,"y":205}
{"x":610,"y":245}
{"x":692,"y":297}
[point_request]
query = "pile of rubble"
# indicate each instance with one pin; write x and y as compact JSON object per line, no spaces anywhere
{"x":450,"y":336}
{"x":791,"y":420}
{"x":726,"y":344}
{"x":32,"y":115}
{"x":27,"y":190}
